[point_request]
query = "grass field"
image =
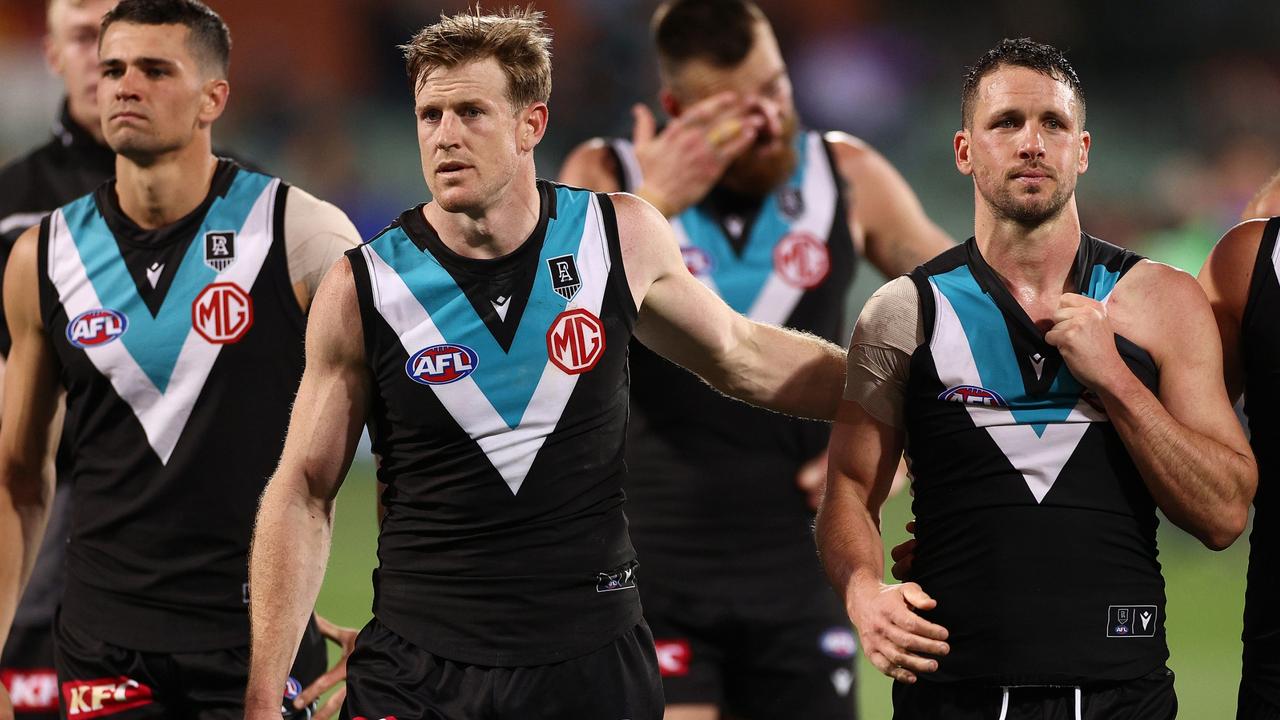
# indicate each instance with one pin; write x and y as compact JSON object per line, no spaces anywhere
{"x":1205,"y":591}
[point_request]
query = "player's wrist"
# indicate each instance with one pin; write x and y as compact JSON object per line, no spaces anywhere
{"x":659,"y":200}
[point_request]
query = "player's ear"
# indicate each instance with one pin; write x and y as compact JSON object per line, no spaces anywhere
{"x":533,"y":125}
{"x":670,"y":103}
{"x":1086,"y":141}
{"x":961,"y":145}
{"x":213,"y":99}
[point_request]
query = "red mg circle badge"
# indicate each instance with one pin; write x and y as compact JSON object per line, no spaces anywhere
{"x":575,"y":341}
{"x":222,"y":313}
{"x":801,"y":260}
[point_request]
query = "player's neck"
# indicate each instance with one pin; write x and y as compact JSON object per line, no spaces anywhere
{"x":163,"y":190}
{"x":1035,"y":263}
{"x":496,"y":230}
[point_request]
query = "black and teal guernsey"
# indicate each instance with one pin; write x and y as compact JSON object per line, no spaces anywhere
{"x":1037,"y":535}
{"x":498,"y":411}
{"x":711,"y":494}
{"x":1260,"y":354}
{"x":180,"y":350}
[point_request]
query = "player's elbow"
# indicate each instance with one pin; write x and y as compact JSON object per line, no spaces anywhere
{"x":1229,"y":527}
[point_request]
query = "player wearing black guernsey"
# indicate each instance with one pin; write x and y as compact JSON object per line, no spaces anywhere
{"x":1240,"y":278}
{"x":73,"y":162}
{"x":773,"y":218}
{"x":169,"y":306}
{"x":1051,"y":391}
{"x":484,"y":337}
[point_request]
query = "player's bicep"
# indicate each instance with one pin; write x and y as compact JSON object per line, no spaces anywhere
{"x":332,"y":401}
{"x":682,"y":320}
{"x":1191,"y":385}
{"x":1225,"y":278}
{"x":863,"y":456}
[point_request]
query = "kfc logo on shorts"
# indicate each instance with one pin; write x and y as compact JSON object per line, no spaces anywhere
{"x":441,"y":364}
{"x":801,"y":260}
{"x":973,"y":395}
{"x":575,"y":341}
{"x":84,"y":699}
{"x":839,"y":643}
{"x":222,"y":313}
{"x":32,"y":691}
{"x":673,"y":657}
{"x":96,"y":327}
{"x":697,"y":260}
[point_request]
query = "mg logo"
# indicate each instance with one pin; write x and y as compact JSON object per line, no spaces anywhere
{"x":96,"y":327}
{"x":441,"y":364}
{"x":801,"y":260}
{"x":222,"y":313}
{"x":575,"y":341}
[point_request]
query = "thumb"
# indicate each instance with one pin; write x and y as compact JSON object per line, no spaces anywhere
{"x":645,"y":124}
{"x":917,"y":598}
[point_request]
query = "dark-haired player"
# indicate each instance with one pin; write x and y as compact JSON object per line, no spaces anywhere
{"x":169,"y":307}
{"x":1051,"y":391}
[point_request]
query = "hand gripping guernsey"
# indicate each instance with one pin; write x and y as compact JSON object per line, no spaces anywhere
{"x":711,"y":470}
{"x":180,"y":351}
{"x":1260,"y":353}
{"x":498,"y":411}
{"x":1037,"y":535}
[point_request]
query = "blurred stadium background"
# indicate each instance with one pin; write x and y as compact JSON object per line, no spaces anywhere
{"x":1184,"y":107}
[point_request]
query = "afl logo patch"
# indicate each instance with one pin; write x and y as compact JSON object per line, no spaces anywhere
{"x":838,"y":643}
{"x":222,"y":313}
{"x":801,"y":260}
{"x":697,"y":260}
{"x":96,"y":327}
{"x":973,"y":395}
{"x":441,"y":364}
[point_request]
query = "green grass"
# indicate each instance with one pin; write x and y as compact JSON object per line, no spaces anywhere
{"x":1205,"y":591}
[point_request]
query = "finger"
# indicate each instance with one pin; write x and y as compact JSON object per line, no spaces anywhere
{"x":645,"y":124}
{"x":916,"y":625}
{"x":705,"y":111}
{"x":911,"y":661}
{"x":332,"y":705}
{"x":901,"y":570}
{"x":321,"y":685}
{"x":729,"y":150}
{"x":910,"y":642}
{"x":904,"y":550}
{"x":902,"y":675}
{"x":917,"y":598}
{"x":326,"y":628}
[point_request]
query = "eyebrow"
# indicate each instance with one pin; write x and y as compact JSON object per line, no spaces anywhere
{"x":142,"y":61}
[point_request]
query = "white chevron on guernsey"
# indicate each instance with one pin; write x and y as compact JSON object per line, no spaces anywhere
{"x":163,"y":415}
{"x":510,"y":450}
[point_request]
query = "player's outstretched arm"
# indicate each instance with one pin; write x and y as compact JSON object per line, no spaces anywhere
{"x":884,"y":210}
{"x":30,"y":402}
{"x":1225,"y":277}
{"x":864,"y":454}
{"x":1187,"y":442}
{"x":681,"y":319}
{"x":294,"y":526}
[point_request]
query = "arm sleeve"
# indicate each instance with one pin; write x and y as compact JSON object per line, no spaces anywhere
{"x":888,"y":332}
{"x":316,"y":234}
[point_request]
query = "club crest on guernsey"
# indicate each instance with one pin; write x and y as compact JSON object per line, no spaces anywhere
{"x":441,"y":364}
{"x":96,"y":327}
{"x":219,"y":249}
{"x":565,"y":279}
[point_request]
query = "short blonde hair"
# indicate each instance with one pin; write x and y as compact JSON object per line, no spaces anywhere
{"x":517,"y":38}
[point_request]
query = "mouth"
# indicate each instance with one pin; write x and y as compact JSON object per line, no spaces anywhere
{"x":127,"y":115}
{"x":450,"y":168}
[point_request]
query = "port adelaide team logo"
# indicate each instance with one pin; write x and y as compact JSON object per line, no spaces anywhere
{"x":96,"y":327}
{"x":219,"y":249}
{"x":441,"y":364}
{"x":565,"y":279}
{"x":973,"y":395}
{"x":222,"y":313}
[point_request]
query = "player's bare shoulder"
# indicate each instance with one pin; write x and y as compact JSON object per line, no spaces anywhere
{"x":1158,"y":306}
{"x":593,"y":165}
{"x":645,"y":236}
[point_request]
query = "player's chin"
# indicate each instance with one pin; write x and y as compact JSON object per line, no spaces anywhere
{"x":456,"y":199}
